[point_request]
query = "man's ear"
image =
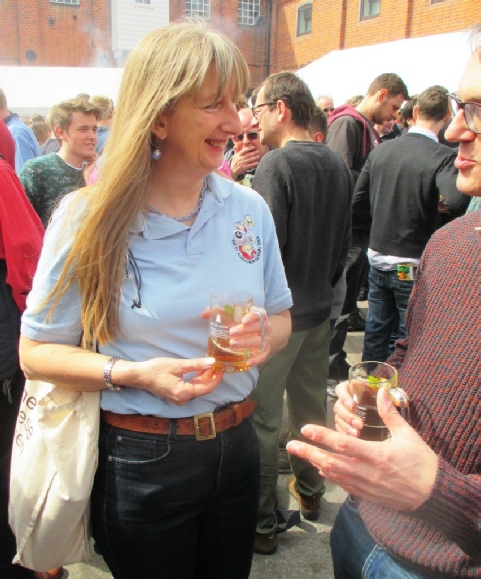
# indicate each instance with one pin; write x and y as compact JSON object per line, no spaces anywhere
{"x":59,"y":133}
{"x":381,"y":94}
{"x":415,"y":113}
{"x":283,"y":111}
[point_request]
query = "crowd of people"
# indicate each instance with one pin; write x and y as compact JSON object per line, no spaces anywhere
{"x":132,"y":215}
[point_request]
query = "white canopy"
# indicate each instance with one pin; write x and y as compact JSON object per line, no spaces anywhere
{"x":34,"y":89}
{"x":420,"y":62}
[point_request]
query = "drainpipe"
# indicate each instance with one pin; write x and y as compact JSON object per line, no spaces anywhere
{"x":409,"y":19}
{"x":342,"y":35}
{"x":269,"y":26}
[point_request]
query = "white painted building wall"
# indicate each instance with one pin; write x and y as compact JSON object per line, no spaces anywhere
{"x":131,"y":20}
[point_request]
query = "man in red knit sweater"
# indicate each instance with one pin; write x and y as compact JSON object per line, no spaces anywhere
{"x":416,"y":510}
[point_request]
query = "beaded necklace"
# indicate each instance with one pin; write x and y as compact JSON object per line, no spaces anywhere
{"x":191,"y":215}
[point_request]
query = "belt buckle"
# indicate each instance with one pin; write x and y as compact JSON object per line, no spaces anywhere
{"x":198,"y":435}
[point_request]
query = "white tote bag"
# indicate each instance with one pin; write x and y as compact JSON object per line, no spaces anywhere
{"x":54,"y":459}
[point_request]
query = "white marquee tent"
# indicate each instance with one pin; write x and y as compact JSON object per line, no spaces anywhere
{"x":34,"y":89}
{"x":420,"y":62}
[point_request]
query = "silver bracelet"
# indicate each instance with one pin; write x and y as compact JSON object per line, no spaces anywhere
{"x":108,"y":375}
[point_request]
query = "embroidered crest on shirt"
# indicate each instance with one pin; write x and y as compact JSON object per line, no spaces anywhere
{"x":245,"y":242}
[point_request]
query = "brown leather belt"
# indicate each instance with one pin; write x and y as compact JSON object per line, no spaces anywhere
{"x":202,"y":426}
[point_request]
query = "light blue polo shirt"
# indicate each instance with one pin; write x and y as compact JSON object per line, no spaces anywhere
{"x":231,"y":245}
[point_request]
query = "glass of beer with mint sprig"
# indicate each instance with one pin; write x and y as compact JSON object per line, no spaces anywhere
{"x":365,"y":379}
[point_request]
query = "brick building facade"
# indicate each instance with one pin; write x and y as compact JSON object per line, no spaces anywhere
{"x":273,"y":35}
{"x":337,"y":24}
{"x":46,"y":33}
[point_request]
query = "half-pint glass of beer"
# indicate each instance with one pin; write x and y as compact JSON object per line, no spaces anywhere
{"x":227,"y":308}
{"x":366,"y":378}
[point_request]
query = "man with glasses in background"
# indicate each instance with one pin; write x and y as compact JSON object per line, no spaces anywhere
{"x":247,"y":151}
{"x":308,"y":189}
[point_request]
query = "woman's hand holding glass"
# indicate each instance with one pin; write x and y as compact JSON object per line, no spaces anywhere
{"x":248,"y":334}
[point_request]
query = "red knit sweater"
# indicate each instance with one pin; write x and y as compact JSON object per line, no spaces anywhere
{"x":440,"y":368}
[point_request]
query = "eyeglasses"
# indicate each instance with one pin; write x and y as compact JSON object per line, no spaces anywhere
{"x":257,"y":107}
{"x":328,"y":109}
{"x":472,"y":112}
{"x":252,"y":136}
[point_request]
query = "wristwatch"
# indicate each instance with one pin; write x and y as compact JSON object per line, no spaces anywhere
{"x":108,"y":375}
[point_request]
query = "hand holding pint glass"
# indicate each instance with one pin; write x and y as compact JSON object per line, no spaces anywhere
{"x":365,"y":380}
{"x":227,"y":309}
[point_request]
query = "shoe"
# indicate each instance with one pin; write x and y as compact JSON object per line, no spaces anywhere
{"x":362,"y":297}
{"x":356,"y":322}
{"x":265,"y":544}
{"x":310,"y":507}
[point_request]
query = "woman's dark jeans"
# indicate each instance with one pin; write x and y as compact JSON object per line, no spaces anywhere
{"x":167,"y":506}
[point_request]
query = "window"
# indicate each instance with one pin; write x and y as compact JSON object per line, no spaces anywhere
{"x":142,"y":1}
{"x":248,"y":12}
{"x":201,"y":8}
{"x":370,"y":8}
{"x":73,"y":2}
{"x":304,"y":19}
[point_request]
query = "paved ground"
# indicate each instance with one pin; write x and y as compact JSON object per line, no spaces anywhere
{"x":303,"y":550}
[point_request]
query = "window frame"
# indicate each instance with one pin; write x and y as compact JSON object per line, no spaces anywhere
{"x":300,"y":10}
{"x":363,"y":3}
{"x":206,"y":7}
{"x":66,"y":2}
{"x":243,"y":9}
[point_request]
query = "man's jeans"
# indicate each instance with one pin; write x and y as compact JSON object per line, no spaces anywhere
{"x":173,"y":507}
{"x":355,"y":554}
{"x":388,"y":300}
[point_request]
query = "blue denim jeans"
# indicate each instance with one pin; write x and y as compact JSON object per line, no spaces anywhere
{"x":355,"y":554}
{"x":168,"y":506}
{"x":388,"y":300}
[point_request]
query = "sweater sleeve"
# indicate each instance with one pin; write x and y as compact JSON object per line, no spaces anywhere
{"x":454,"y":507}
{"x":361,"y":206}
{"x":446,"y":177}
{"x":21,"y":233}
{"x":30,"y":179}
{"x":270,"y":182}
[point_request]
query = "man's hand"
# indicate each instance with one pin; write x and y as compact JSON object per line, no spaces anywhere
{"x":398,"y":473}
{"x":247,"y":158}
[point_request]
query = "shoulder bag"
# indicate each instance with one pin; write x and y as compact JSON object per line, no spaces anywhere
{"x":54,"y":459}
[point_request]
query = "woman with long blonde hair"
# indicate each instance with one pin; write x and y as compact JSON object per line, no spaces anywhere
{"x":131,"y":262}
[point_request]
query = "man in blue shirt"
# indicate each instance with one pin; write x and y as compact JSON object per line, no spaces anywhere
{"x":26,"y":144}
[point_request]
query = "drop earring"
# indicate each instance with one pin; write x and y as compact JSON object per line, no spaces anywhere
{"x":156,"y":153}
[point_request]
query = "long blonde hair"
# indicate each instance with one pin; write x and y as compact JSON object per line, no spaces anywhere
{"x":167,"y":64}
